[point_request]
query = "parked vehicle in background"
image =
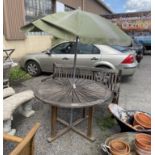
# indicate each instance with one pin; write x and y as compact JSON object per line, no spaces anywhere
{"x":88,"y":55}
{"x":139,"y":48}
{"x":145,"y":41}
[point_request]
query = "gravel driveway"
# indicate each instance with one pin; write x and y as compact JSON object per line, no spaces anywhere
{"x":136,"y":91}
{"x":135,"y":94}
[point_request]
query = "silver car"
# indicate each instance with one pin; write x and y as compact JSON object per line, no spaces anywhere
{"x":88,"y":55}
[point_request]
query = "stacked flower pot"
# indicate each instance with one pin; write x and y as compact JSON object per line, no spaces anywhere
{"x":142,"y":141}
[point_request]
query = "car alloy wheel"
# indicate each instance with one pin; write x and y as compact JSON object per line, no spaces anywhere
{"x":98,"y":76}
{"x":33,"y":68}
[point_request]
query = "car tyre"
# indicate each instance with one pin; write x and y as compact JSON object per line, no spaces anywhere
{"x":144,"y":50}
{"x":33,"y":68}
{"x":98,"y":75}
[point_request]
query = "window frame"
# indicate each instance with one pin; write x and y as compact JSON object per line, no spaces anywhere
{"x":92,"y":50}
{"x":93,"y":46}
{"x":52,"y":52}
{"x":34,"y":7}
{"x":97,"y":49}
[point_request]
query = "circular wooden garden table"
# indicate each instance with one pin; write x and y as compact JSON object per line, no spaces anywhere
{"x":66,"y":93}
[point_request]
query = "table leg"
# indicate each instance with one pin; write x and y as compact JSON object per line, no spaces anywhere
{"x":71,"y":125}
{"x":84,"y":112}
{"x":71,"y":117}
{"x":53,"y":120}
{"x":90,"y":121}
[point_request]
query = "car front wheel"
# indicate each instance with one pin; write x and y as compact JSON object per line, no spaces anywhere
{"x":33,"y":68}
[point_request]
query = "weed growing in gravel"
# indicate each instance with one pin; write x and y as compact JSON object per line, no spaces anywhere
{"x":106,"y":122}
{"x":17,"y":74}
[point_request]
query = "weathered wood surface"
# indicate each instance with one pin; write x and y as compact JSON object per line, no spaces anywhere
{"x":60,"y":92}
{"x":108,"y":77}
{"x":11,"y":138}
{"x":25,"y":145}
{"x":91,"y":86}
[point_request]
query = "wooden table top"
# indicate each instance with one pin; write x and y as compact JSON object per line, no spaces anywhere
{"x":62,"y":92}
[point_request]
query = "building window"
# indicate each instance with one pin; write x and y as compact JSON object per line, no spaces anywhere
{"x":35,"y":9}
{"x":68,"y":8}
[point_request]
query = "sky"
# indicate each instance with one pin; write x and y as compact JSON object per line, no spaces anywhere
{"x":119,"y":6}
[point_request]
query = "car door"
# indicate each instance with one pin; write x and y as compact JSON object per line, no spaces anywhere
{"x":88,"y":55}
{"x":63,"y":54}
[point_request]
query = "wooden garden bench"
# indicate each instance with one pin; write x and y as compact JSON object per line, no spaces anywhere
{"x":25,"y":146}
{"x":108,"y":77}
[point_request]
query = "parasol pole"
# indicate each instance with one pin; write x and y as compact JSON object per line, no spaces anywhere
{"x":75,"y":59}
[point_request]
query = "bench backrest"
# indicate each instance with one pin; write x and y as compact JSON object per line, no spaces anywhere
{"x":108,"y":77}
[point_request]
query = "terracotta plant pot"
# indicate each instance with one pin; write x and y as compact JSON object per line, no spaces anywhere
{"x":142,"y":119}
{"x":118,"y":147}
{"x":139,"y":127}
{"x":143,"y":141}
{"x":141,"y":151}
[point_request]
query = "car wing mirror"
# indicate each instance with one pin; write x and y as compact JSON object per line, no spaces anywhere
{"x":48,"y":52}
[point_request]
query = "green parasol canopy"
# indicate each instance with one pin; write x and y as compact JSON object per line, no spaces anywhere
{"x":90,"y":28}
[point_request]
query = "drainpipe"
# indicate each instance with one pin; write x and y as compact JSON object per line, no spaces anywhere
{"x":53,"y":7}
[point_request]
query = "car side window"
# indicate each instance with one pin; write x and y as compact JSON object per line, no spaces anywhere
{"x":85,"y":48}
{"x":64,"y":48}
{"x":95,"y":50}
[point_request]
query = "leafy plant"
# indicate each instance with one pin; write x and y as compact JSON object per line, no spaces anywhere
{"x":17,"y":74}
{"x":106,"y":122}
